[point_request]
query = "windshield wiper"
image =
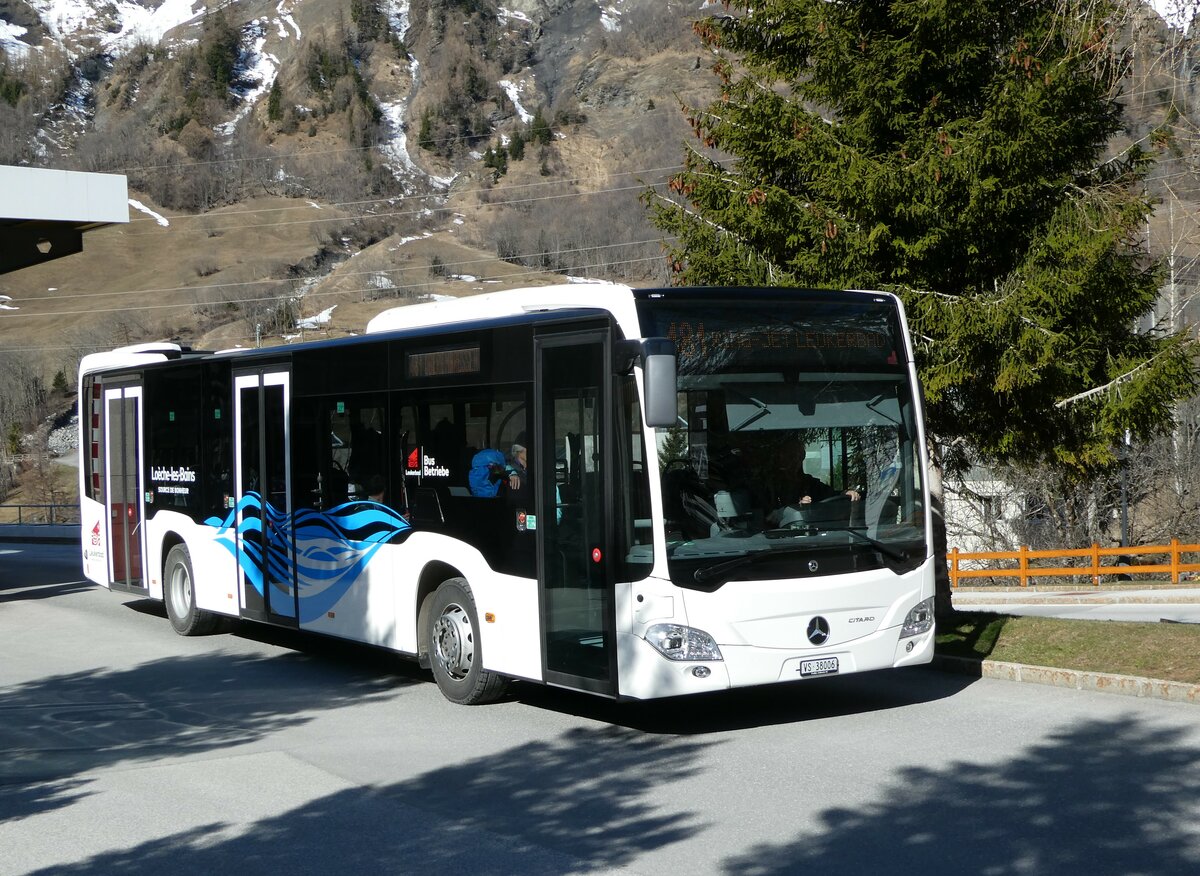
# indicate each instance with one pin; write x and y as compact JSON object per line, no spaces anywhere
{"x":701,"y":576}
{"x":817,"y":528}
{"x":873,"y":405}
{"x":875,"y":543}
{"x":762,"y":411}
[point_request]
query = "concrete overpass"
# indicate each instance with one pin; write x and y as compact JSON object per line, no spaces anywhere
{"x":44,"y":213}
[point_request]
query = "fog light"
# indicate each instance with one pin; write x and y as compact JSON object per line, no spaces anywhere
{"x":701,"y":671}
{"x":908,"y":648}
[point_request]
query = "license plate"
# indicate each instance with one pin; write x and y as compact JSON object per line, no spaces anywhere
{"x":824,"y":666}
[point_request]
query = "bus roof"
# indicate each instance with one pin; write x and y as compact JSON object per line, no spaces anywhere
{"x":613,"y":297}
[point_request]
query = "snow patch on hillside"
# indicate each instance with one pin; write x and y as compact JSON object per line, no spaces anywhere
{"x":513,"y":90}
{"x":256,"y":73}
{"x":157,"y":217}
{"x":118,"y":25}
{"x":398,"y":16}
{"x":324,"y":318}
{"x":285,"y":15}
{"x":10,"y":39}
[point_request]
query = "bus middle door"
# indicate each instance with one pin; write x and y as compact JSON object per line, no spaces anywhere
{"x":266,"y":552}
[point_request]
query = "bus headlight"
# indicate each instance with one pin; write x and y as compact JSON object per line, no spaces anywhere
{"x":677,"y":642}
{"x":919,"y":620}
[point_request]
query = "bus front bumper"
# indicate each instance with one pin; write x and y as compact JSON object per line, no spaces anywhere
{"x":646,"y":674}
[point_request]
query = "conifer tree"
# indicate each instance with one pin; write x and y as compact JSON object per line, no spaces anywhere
{"x":275,"y":102}
{"x":959,"y":154}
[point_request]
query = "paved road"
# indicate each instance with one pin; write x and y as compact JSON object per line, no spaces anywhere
{"x":127,"y":749}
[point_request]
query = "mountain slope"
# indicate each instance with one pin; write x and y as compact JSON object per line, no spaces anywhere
{"x":439,"y":138}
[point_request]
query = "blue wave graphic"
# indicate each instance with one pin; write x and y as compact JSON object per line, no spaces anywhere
{"x":333,"y":548}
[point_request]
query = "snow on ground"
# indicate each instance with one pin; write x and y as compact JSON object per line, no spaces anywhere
{"x":610,"y":17}
{"x":513,"y":90}
{"x":158,"y":217}
{"x":404,"y":240}
{"x":506,"y":15}
{"x":259,"y":74}
{"x":136,"y":23}
{"x":139,"y":24}
{"x":10,"y":39}
{"x":321,"y":319}
{"x":286,"y":15}
{"x":397,"y":12}
{"x":66,"y":119}
{"x":394,"y":144}
{"x":62,"y":17}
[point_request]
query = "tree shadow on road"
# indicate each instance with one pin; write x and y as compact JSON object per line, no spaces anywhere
{"x":1112,"y":796}
{"x":1106,"y":797}
{"x":43,"y":591}
{"x":56,"y":728}
{"x":582,"y":801}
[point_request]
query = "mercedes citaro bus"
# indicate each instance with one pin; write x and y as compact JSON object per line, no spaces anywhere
{"x":724,"y":487}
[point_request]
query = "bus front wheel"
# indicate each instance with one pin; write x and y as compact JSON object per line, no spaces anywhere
{"x":179,"y":593}
{"x":454,"y":647}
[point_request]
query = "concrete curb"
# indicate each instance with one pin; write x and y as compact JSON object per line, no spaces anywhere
{"x":1104,"y":682}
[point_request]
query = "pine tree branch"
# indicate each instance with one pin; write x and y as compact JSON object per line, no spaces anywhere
{"x":773,"y":270}
{"x":1116,"y":381}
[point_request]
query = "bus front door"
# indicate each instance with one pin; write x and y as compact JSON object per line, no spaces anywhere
{"x":123,"y":468}
{"x":571,"y":475}
{"x":265,"y":546}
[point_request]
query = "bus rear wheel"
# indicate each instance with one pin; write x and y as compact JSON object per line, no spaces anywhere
{"x":454,"y":647}
{"x":179,"y":593}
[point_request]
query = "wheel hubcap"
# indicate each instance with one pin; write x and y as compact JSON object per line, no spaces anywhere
{"x":453,"y":643}
{"x":181,"y":591}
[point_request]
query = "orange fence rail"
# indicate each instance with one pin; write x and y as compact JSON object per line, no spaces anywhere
{"x":1025,"y":569}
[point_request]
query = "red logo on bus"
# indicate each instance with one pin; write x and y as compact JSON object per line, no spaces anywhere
{"x":413,"y":463}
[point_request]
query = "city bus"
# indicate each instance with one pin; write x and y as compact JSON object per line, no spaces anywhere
{"x":636,"y":493}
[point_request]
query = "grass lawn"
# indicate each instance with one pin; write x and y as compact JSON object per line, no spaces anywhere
{"x":1153,"y":650}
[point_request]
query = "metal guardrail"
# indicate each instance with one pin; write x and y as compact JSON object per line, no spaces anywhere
{"x":47,"y":515}
{"x":1026,"y":562}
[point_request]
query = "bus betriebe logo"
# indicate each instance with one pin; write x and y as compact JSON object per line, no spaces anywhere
{"x":96,"y":534}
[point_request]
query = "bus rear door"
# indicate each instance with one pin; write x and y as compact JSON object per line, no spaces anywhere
{"x":123,"y":471}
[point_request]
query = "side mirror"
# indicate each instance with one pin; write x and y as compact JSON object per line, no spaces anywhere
{"x":658,"y":369}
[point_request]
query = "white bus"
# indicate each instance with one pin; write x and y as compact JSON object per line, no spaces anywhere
{"x":724,"y":487}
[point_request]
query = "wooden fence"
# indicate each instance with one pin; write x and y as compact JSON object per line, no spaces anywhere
{"x":1028,"y":563}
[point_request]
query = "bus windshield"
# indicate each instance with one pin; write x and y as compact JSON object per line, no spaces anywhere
{"x":795,"y":450}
